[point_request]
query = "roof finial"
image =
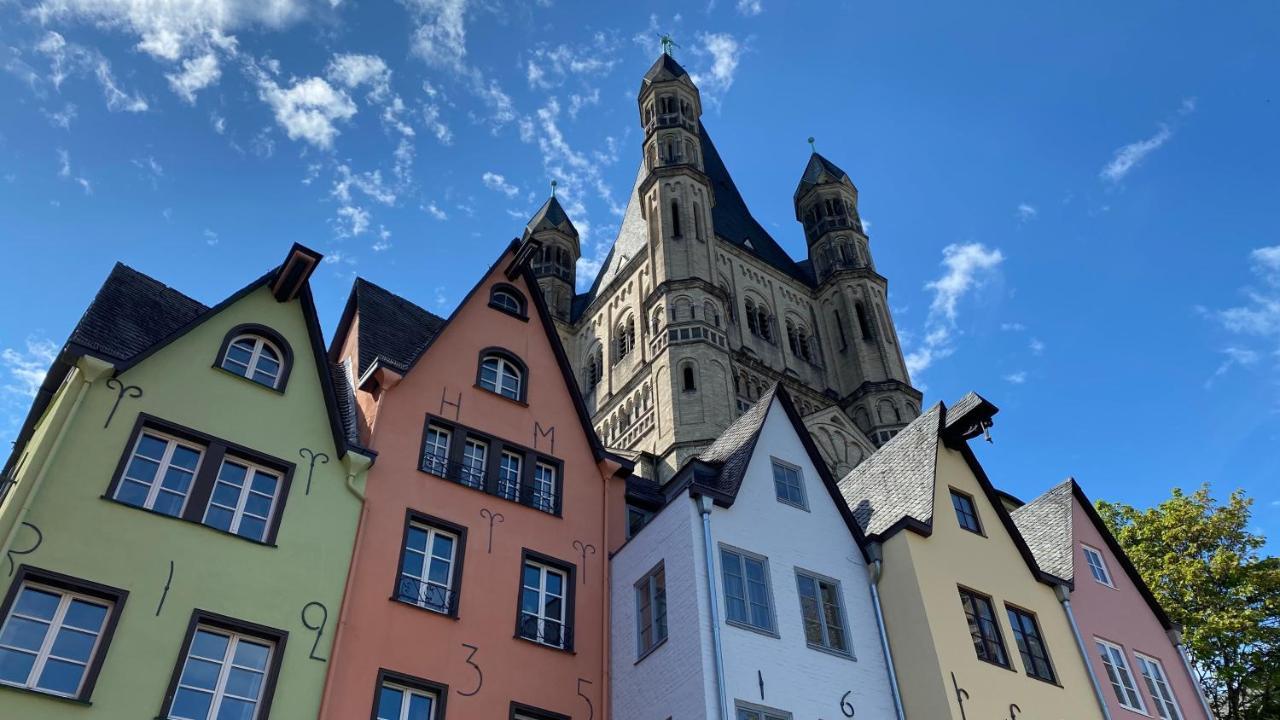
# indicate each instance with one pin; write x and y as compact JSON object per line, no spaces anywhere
{"x":812,"y":145}
{"x":553,"y":188}
{"x":668,"y":44}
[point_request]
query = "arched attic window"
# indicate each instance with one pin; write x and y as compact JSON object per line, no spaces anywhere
{"x":508,"y":299}
{"x":503,"y":373}
{"x":257,"y":353}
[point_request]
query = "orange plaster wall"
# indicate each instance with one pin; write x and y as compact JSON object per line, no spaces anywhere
{"x":378,"y":632}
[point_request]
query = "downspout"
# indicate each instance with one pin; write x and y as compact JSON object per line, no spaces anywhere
{"x":88,"y":370}
{"x":1064,"y":597}
{"x":1175,"y":636}
{"x":717,"y":649}
{"x":876,"y":570}
{"x":354,"y":464}
{"x":606,"y":692}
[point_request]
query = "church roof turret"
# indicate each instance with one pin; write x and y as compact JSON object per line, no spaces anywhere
{"x":551,"y":216}
{"x":663,"y":69}
{"x":820,"y":171}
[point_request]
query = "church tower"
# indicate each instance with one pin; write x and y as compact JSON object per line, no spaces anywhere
{"x":555,"y":266}
{"x":882,"y":401}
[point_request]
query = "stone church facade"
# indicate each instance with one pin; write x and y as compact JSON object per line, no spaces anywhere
{"x":697,"y":310}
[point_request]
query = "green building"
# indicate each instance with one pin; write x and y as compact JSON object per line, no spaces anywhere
{"x":179,"y":510}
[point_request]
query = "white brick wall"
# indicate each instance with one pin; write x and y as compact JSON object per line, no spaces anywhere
{"x":677,"y":680}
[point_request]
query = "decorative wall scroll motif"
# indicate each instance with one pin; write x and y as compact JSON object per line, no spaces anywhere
{"x":961,"y":696}
{"x":760,"y":679}
{"x":39,"y":539}
{"x":846,"y":707}
{"x":479,"y":673}
{"x":492,"y":517}
{"x":584,"y":549}
{"x":549,"y":433}
{"x":121,"y":389}
{"x":1013,"y":711}
{"x":591,"y":711}
{"x":445,"y":402}
{"x":317,"y":628}
{"x":164,"y":594}
{"x":313,"y":456}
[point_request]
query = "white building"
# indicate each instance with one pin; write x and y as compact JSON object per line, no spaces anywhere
{"x":796,"y":629}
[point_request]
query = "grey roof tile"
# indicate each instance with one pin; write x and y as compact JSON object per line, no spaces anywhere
{"x":392,"y":329}
{"x":732,"y":450}
{"x":1045,"y":525}
{"x":551,"y":216}
{"x":131,"y":313}
{"x":897,"y":481}
{"x":820,"y":170}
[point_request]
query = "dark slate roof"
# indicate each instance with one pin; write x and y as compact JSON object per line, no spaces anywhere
{"x":393,"y":331}
{"x":131,"y":313}
{"x":1045,"y":523}
{"x":551,"y":216}
{"x":644,"y":492}
{"x":818,"y":171}
{"x":345,"y":396}
{"x":897,"y":481}
{"x":730,"y":218}
{"x":664,"y":68}
{"x":732,"y":450}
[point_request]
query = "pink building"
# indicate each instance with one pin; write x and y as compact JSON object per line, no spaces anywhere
{"x":1134,"y":649}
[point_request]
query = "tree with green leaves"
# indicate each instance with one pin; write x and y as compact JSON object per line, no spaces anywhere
{"x":1206,"y":568}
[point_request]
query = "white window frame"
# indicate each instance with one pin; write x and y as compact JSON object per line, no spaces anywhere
{"x":1100,"y":567}
{"x":469,"y":474}
{"x":405,"y":699}
{"x":543,"y":571}
{"x":153,"y":491}
{"x":508,"y":301}
{"x":239,"y":512}
{"x":1120,"y":676}
{"x":54,"y":626}
{"x":507,"y":487}
{"x":647,"y":592}
{"x":543,"y":496}
{"x":751,"y":711}
{"x":743,"y":557}
{"x":1162,"y":696}
{"x":504,"y":370}
{"x":429,"y":557}
{"x":224,"y":670}
{"x":818,"y":581}
{"x":776,"y":465}
{"x":251,"y":370}
{"x":436,"y":463}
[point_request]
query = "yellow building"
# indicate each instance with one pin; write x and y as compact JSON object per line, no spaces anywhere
{"x":976,"y":629}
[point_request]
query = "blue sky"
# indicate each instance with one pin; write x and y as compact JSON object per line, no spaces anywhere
{"x":1074,"y":203}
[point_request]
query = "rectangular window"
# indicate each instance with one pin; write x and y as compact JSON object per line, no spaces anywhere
{"x":546,"y":599}
{"x":243,"y":498}
{"x":474,"y":454}
{"x":637,"y":518}
{"x":401,"y":697}
{"x":748,"y":600}
{"x":751,"y":711}
{"x":183,"y":473}
{"x":1158,"y":685}
{"x":55,"y":632}
{"x":544,"y":488}
{"x":520,"y":711}
{"x":431,"y":563}
{"x":984,"y":628}
{"x":228,"y":670}
{"x":160,"y":473}
{"x":966,"y":514}
{"x":509,"y":475}
{"x":787,"y":484}
{"x":651,"y":610}
{"x":1097,"y":566}
{"x":822,"y":611}
{"x":1026,"y":633}
{"x":435,"y":451}
{"x":1118,"y":673}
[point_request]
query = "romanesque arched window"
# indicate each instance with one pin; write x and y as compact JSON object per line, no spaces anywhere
{"x":710,"y":313}
{"x":675,"y":218}
{"x":655,"y":321}
{"x":864,"y":322}
{"x":753,"y":319}
{"x":595,"y":366}
{"x":688,"y":381}
{"x":624,"y":338}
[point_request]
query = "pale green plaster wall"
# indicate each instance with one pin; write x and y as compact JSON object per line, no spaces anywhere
{"x":95,"y":539}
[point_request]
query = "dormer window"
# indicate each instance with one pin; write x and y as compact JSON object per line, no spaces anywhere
{"x":502,"y":374}
{"x":256,"y":353}
{"x":507,"y":299}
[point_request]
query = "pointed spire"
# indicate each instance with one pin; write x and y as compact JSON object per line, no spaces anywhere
{"x":551,"y":216}
{"x":663,"y":69}
{"x":820,"y":171}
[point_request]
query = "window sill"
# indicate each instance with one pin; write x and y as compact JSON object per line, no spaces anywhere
{"x":505,"y":311}
{"x":276,"y":390}
{"x":552,"y":648}
{"x":1054,"y":683}
{"x":753,"y":628}
{"x":482,"y":388}
{"x":180,"y":519}
{"x":797,"y":506}
{"x":44,"y":694}
{"x":829,"y":651}
{"x":996,"y":664}
{"x":651,"y":650}
{"x":450,"y":615}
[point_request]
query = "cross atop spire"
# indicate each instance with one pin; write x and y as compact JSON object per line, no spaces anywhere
{"x":553,"y":188}
{"x":812,"y":145}
{"x":668,"y":44}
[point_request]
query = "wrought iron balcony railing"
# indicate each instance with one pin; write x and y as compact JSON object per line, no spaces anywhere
{"x":426,"y":595}
{"x":546,"y":632}
{"x":479,"y":479}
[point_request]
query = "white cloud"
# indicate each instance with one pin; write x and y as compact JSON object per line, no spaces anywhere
{"x":1016,"y":378}
{"x":1256,"y":322}
{"x":577,"y":102}
{"x":384,"y":240}
{"x":1036,"y":346}
{"x":219,"y":123}
{"x":352,"y":221}
{"x":440,"y":37}
{"x":67,"y":59}
{"x":496,"y":182}
{"x":750,"y":8}
{"x":435,"y":212}
{"x":368,"y":183}
{"x":1027,"y":212}
{"x":431,"y":118}
{"x":210,"y":237}
{"x":308,"y":110}
{"x":24,"y":370}
{"x":441,"y":299}
{"x":197,"y":74}
{"x":1130,"y":156}
{"x":352,"y":70}
{"x":968,"y":267}
{"x":64,"y":117}
{"x":65,"y":172}
{"x":548,"y":67}
{"x":1013,"y":327}
{"x":725,"y":52}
